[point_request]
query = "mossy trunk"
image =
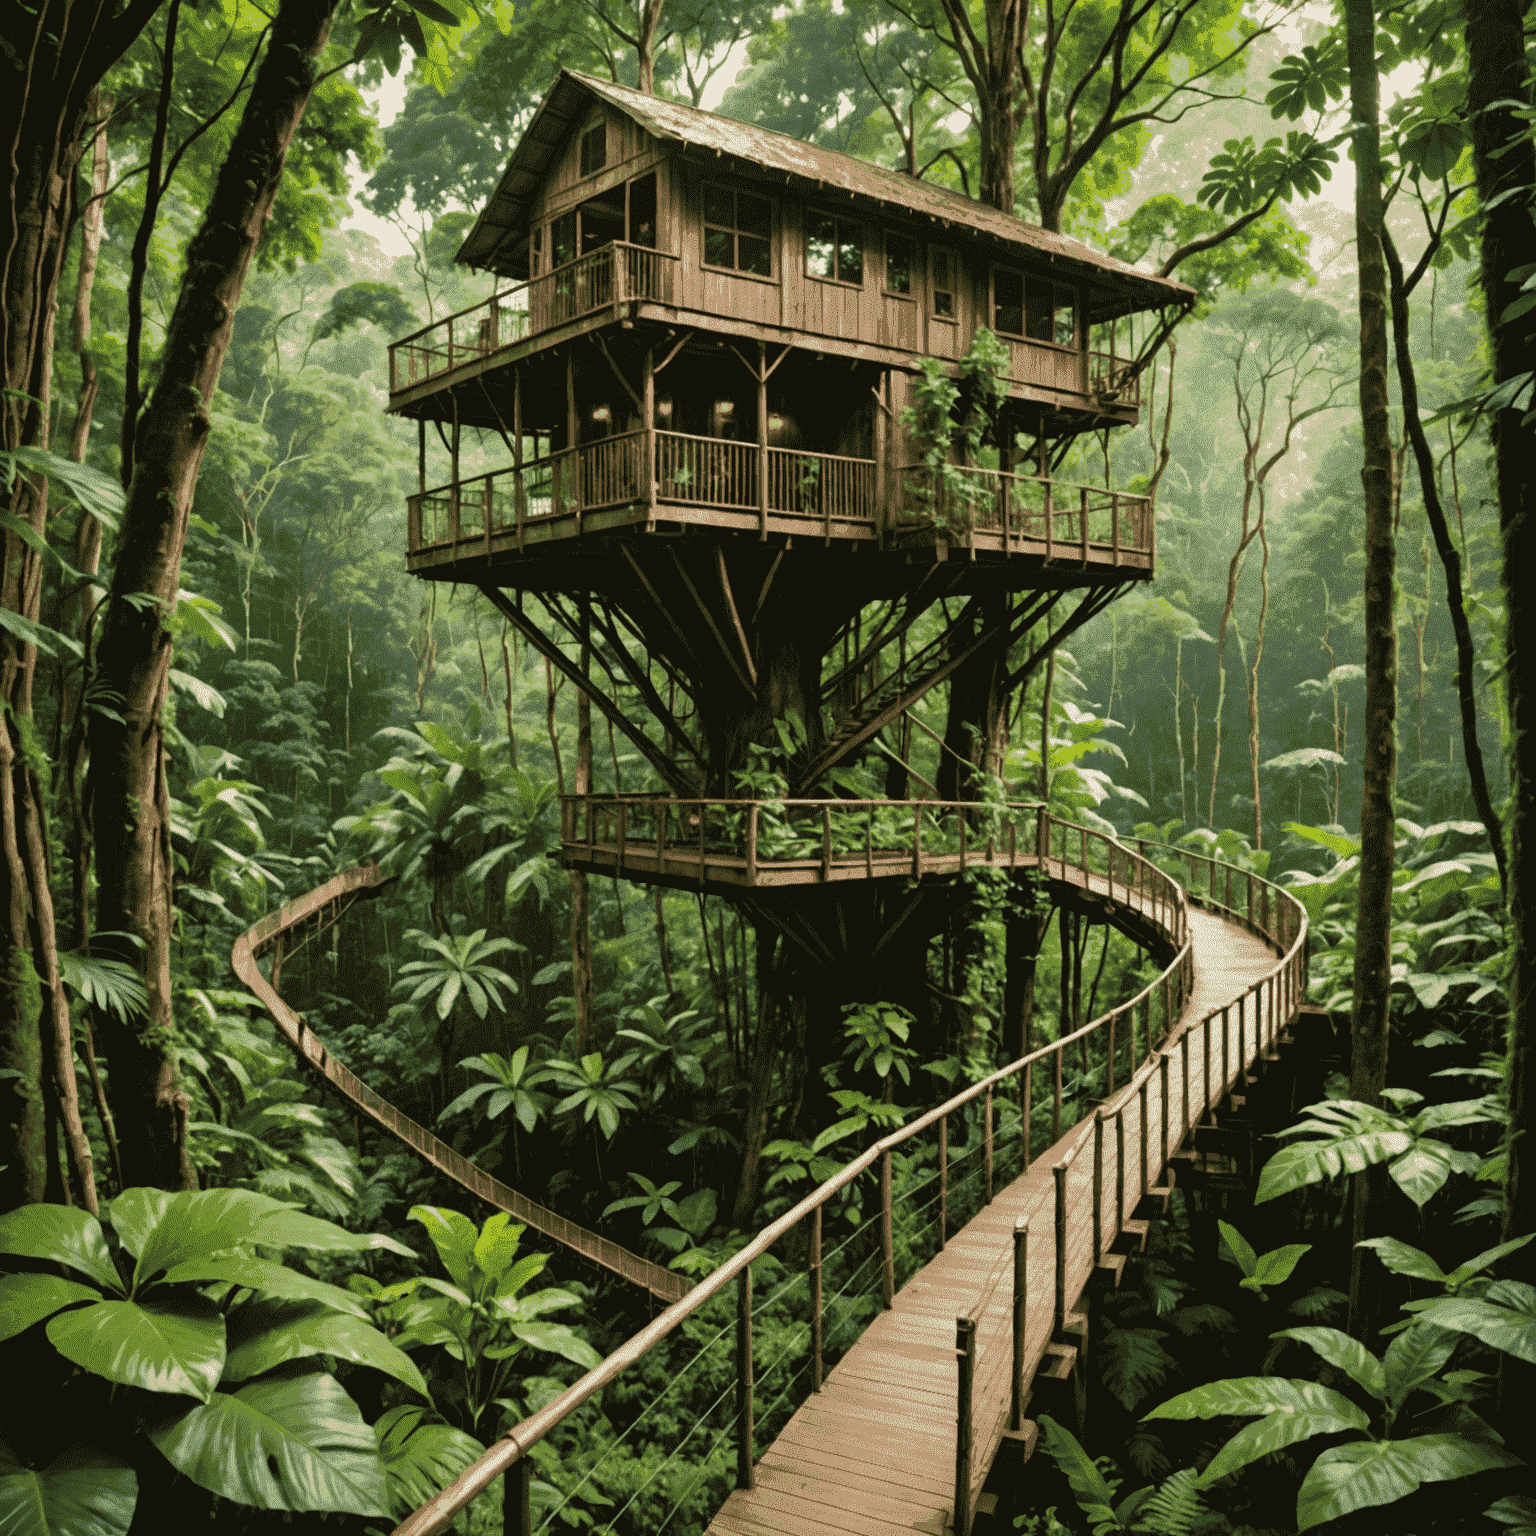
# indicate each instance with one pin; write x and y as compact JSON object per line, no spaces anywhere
{"x":128,"y":769}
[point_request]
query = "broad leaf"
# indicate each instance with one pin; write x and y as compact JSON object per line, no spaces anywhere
{"x":1241,"y":1396}
{"x":454,"y":1236}
{"x":85,"y":1492}
{"x":1517,"y":1510}
{"x":558,"y":1339}
{"x":420,"y":1459}
{"x":64,"y":1234}
{"x":1415,"y":1357}
{"x":28,"y":1299}
{"x":495,"y":1249}
{"x":1274,"y":1267}
{"x":1344,"y":1353}
{"x":135,"y":1214}
{"x":1273,"y":1432}
{"x":286,"y":1442}
{"x":1239,"y":1247}
{"x":1087,"y":1481}
{"x":199,"y":1223}
{"x":251,"y":1273}
{"x":264,"y":1334}
{"x":1344,"y":1136}
{"x":288,"y":1228}
{"x":1504,"y":1317}
{"x":1401,"y":1259}
{"x":162,"y":1346}
{"x":1366,"y":1474}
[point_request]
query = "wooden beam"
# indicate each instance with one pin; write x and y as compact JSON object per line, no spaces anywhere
{"x":629,"y":389}
{"x":677,"y":347}
{"x":735,"y":617}
{"x":762,"y":596}
{"x":664,"y":609}
{"x":709,"y":619}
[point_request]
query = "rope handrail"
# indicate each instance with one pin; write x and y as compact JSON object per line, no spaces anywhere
{"x":434,"y":1517}
{"x":364,"y":880}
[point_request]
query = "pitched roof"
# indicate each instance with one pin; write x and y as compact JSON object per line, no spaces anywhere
{"x":570,"y":97}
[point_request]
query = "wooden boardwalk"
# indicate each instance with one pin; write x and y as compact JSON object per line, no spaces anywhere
{"x":874,"y":1452}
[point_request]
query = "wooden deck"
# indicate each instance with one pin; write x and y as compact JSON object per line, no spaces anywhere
{"x":874,"y":1452}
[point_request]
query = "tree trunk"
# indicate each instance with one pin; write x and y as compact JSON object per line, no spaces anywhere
{"x":60,"y":52}
{"x":1373,"y":931}
{"x":645,"y":48}
{"x":581,"y":906}
{"x":1505,"y":163}
{"x":764,"y":1060}
{"x":129,"y":795}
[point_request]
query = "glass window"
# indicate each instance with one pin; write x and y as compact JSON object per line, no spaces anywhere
{"x":942,"y":265}
{"x":1007,"y":302}
{"x":594,"y":149}
{"x":642,"y":211}
{"x":562,"y":239}
{"x":834,"y":249}
{"x":738,"y":230}
{"x":898,"y":264}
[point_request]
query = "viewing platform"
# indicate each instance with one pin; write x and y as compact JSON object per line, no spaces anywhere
{"x":640,"y":483}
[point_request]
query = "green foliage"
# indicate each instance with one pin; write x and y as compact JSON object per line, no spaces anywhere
{"x":509,"y":1085}
{"x":1259,"y":1270}
{"x":1167,"y":1509}
{"x":83,"y":1492}
{"x":458,"y":966}
{"x":261,"y":1430}
{"x":596,"y":1087}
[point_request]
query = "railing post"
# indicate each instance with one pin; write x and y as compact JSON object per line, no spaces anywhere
{"x":1020,"y":1321}
{"x":412,"y":524}
{"x":917,"y":841}
{"x":826,"y":842}
{"x":1056,"y":1106}
{"x":1098,"y":1185}
{"x":1142,"y":1096}
{"x":1029,"y":1113}
{"x":752,"y":843}
{"x":1059,"y":1315}
{"x":887,"y":1248}
{"x":1119,"y":1170}
{"x":1184,"y":1068}
{"x":1114,"y":1019}
{"x":943,"y":1181}
{"x":1162,"y":1083}
{"x":1083,"y":516}
{"x":517,"y":1499}
{"x":1167,"y":1008}
{"x":744,"y":1477}
{"x":986,"y":1151}
{"x":815,"y":1273}
{"x":1226,"y":1051}
{"x":965,"y":1353}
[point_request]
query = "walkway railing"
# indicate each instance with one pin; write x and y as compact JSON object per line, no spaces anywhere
{"x":1051,"y":1257}
{"x":1113,"y":378}
{"x":1084,"y":857}
{"x":599,"y":280}
{"x":312,"y":913}
{"x":1069,"y":519}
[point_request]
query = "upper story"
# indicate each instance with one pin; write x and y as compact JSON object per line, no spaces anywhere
{"x":619,"y":208}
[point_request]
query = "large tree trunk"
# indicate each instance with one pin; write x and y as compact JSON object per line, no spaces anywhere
{"x":57,"y":55}
{"x":1505,"y":162}
{"x":127,"y":774}
{"x":1373,"y":929}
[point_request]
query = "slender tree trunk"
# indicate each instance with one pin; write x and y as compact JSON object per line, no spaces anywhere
{"x":581,"y":908}
{"x":761,"y":1068}
{"x":127,"y":775}
{"x":645,"y":48}
{"x":1450,"y":559}
{"x":1505,"y":162}
{"x":1373,"y":929}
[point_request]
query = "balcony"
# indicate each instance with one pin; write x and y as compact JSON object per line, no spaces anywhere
{"x":602,"y":279}
{"x":637,"y":479}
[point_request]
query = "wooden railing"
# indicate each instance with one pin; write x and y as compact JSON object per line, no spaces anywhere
{"x":703,"y":472}
{"x":1113,"y":379}
{"x":607,"y":276}
{"x":1067,"y":518}
{"x":1175,"y":1087}
{"x":305,"y":918}
{"x":1079,"y":854}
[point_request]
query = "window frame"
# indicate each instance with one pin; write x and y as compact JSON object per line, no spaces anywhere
{"x":838,"y":220}
{"x":1023,"y":277}
{"x":914,"y":265}
{"x":599,"y":126}
{"x":953,"y":318}
{"x":1073,"y":347}
{"x":774,"y":274}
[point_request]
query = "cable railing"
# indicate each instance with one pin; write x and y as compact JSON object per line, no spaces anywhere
{"x":601,"y":279}
{"x":1063,"y":851}
{"x":1097,"y":1180}
{"x":1066,"y":518}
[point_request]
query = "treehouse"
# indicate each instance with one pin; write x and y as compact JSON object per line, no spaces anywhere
{"x":710,"y":328}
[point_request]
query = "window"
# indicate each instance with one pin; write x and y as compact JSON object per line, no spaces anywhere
{"x":898,"y":264}
{"x":562,"y":239}
{"x":536,"y":251}
{"x":738,"y":229}
{"x":1007,"y":302}
{"x":602,"y":219}
{"x":942,"y":266}
{"x":594,"y":149}
{"x":1051,"y":314}
{"x":642,"y":211}
{"x":834,"y":249}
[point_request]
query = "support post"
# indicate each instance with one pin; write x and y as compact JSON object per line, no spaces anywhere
{"x":517,"y":1499}
{"x":1056,"y":1103}
{"x":453,"y":473}
{"x":1059,"y":1316}
{"x":648,"y":437}
{"x":744,"y":1477}
{"x":986,"y":1152}
{"x":965,"y":1355}
{"x":815,"y":1276}
{"x":1142,"y":1097}
{"x":887,"y":1249}
{"x":762,"y":442}
{"x":943,"y":1181}
{"x":1020,"y":1320}
{"x":519,"y":492}
{"x":1098,"y":1185}
{"x":572,"y":436}
{"x":1119,"y":1170}
{"x":1162,"y":1076}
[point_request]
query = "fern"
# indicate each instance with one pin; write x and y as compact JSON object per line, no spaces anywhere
{"x":1133,"y":1363}
{"x":1174,"y":1508}
{"x":110,"y":985}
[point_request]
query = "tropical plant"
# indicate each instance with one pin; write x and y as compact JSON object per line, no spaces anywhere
{"x":598,"y":1088}
{"x":508,"y":1084}
{"x":876,"y":1035}
{"x":170,"y":1296}
{"x":458,"y":966}
{"x":671,"y":1051}
{"x":1375,"y":1469}
{"x":1261,"y":1269}
{"x":1169,"y":1508}
{"x":479,"y":1317}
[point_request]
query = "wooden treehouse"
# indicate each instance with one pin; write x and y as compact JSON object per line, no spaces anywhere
{"x":699,"y":370}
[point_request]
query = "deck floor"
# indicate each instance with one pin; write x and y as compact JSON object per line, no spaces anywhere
{"x":873,"y":1453}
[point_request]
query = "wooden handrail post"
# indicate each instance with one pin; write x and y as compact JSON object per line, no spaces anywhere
{"x":917,"y":841}
{"x":943,"y":1181}
{"x":752,"y":843}
{"x":1184,"y":1068}
{"x":1056,"y":1105}
{"x":815,"y":1274}
{"x":887,"y":1249}
{"x":1226,"y":1052}
{"x":1059,"y":1316}
{"x":986,"y":1150}
{"x":517,"y":1499}
{"x":1119,"y":1170}
{"x":1142,"y":1096}
{"x":1029,"y":1112}
{"x":1020,"y":1321}
{"x":1113,"y":1020}
{"x":965,"y":1355}
{"x":1167,"y":1008}
{"x":1098,"y":1185}
{"x":1162,"y":1083}
{"x":826,"y":843}
{"x":744,"y":1427}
